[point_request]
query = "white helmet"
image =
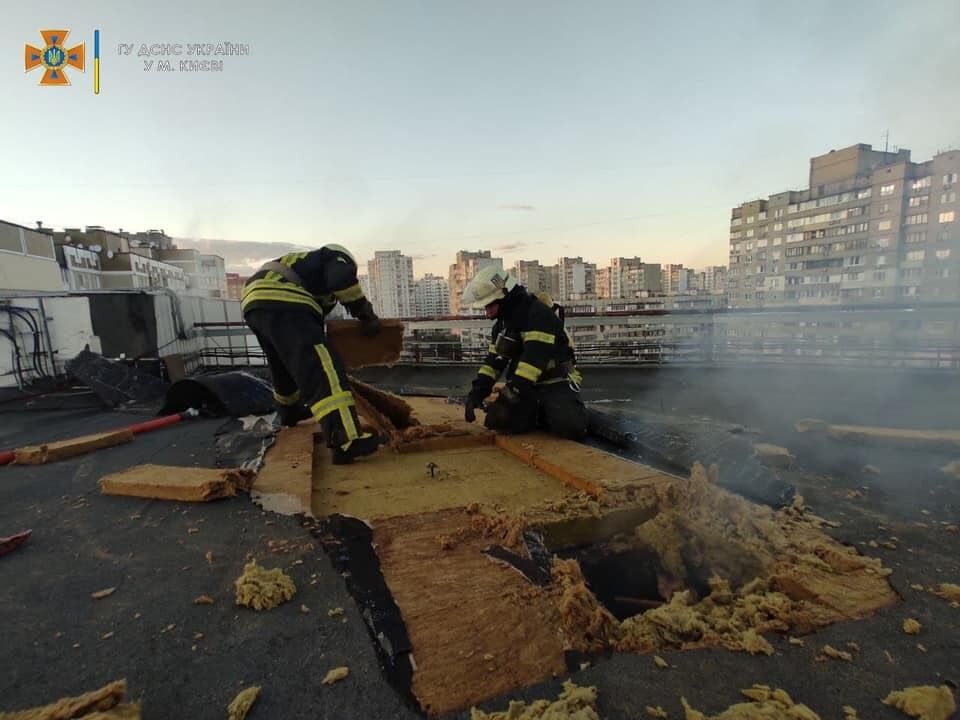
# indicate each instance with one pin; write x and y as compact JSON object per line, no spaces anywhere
{"x":341,"y":249}
{"x":488,"y":285}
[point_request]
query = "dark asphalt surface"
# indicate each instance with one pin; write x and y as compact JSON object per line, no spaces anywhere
{"x":83,"y":542}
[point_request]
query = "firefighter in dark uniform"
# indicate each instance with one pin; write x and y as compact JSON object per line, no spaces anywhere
{"x":284,"y":303}
{"x":531,"y":347}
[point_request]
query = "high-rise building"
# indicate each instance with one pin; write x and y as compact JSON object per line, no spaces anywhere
{"x":872,"y":227}
{"x":603,"y":282}
{"x":431,"y":296}
{"x":631,"y":278}
{"x":577,"y":279}
{"x":462,"y":272}
{"x":713,"y":280}
{"x":674,"y":279}
{"x":535,"y":277}
{"x":390,"y":275}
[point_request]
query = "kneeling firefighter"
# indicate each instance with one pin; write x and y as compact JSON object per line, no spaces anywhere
{"x":531,"y":346}
{"x":284,"y":303}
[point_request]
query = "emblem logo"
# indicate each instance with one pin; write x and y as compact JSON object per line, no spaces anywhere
{"x":54,"y":57}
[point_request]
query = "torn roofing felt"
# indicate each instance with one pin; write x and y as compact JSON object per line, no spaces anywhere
{"x":675,"y":443}
{"x":115,"y":383}
{"x":233,"y":394}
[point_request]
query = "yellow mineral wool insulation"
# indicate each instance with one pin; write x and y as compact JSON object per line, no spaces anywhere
{"x":911,"y":626}
{"x":829,"y":651}
{"x":924,"y":702}
{"x":766,"y":704}
{"x":655,"y":711}
{"x":241,"y":704}
{"x":587,"y":625}
{"x":948,"y":591}
{"x":336,"y":675}
{"x":574,"y":703}
{"x":103,"y":704}
{"x":952,"y":468}
{"x":262,"y":589}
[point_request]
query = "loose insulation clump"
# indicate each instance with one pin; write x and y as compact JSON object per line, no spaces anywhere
{"x":574,"y":703}
{"x":766,"y":704}
{"x":241,"y":704}
{"x":925,"y":702}
{"x":103,"y":704}
{"x":263,"y":589}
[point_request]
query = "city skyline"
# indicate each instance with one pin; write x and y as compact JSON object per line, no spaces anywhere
{"x":533,"y":132}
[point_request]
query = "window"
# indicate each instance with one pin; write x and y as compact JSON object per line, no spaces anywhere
{"x":912,"y":272}
{"x":881,"y":260}
{"x":735,"y":235}
{"x":884,"y":208}
{"x":919,"y":219}
{"x":749,"y":233}
{"x":884,"y":225}
{"x":911,"y":290}
{"x":882,"y":242}
{"x":855,"y":212}
{"x":775,"y":255}
{"x":880,"y":275}
{"x":949,"y":178}
{"x":944,"y":235}
{"x":948,"y":216}
{"x":920,"y":183}
{"x":887,"y":189}
{"x":949,"y":197}
{"x":762,"y":216}
{"x":940,"y":273}
{"x":916,"y":254}
{"x":777,"y":227}
{"x":919,"y":201}
{"x":943,"y":254}
{"x":794,"y":237}
{"x":736,"y":221}
{"x":750,"y":219}
{"x":853,"y":260}
{"x":877,"y":292}
{"x":865,"y":193}
{"x":916,"y":237}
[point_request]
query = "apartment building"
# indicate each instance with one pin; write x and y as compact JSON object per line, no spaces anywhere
{"x":235,"y":282}
{"x":206,"y":275}
{"x":630,"y":278}
{"x":872,"y":227}
{"x":79,"y":267}
{"x":577,"y":280}
{"x":713,"y":280}
{"x":536,"y":277}
{"x":28,"y":260}
{"x":390,"y":277}
{"x":130,"y":270}
{"x":431,"y":296}
{"x":461,"y":273}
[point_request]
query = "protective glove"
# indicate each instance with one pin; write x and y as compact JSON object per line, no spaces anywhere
{"x":516,"y":392}
{"x":370,"y":325}
{"x":473,"y":401}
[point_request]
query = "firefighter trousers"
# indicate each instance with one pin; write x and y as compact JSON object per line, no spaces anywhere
{"x":305,"y":369}
{"x":554,"y":407}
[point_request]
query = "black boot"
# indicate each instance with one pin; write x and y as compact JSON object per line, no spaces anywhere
{"x":344,"y":450}
{"x":290,"y":415}
{"x":364,"y":445}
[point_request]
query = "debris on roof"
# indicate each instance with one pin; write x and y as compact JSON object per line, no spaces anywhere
{"x":911,"y":626}
{"x":773,"y":455}
{"x":241,"y":704}
{"x":336,"y":675}
{"x":63,"y":449}
{"x":263,"y":589}
{"x":105,"y":703}
{"x":184,"y":484}
{"x":924,"y":702}
{"x":765,"y":702}
{"x":948,"y":591}
{"x":574,"y":703}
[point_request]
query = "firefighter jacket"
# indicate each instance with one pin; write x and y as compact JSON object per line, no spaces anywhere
{"x":543,"y":353}
{"x":317,"y":280}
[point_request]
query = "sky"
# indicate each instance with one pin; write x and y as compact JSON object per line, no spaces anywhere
{"x":533,"y":129}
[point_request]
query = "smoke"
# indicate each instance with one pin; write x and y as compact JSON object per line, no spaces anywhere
{"x":241,"y":256}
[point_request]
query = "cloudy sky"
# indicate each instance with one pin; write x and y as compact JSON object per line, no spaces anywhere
{"x":535,"y":129}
